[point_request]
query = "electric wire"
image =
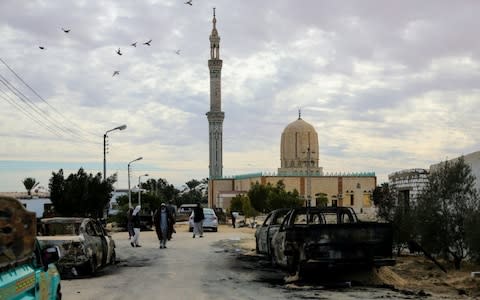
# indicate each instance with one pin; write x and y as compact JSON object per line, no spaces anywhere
{"x":12,"y":102}
{"x":52,"y":124}
{"x":41,"y":98}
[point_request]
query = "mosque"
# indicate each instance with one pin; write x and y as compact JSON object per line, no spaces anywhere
{"x":299,"y":157}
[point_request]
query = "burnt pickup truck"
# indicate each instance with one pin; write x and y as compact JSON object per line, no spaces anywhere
{"x":330,"y":237}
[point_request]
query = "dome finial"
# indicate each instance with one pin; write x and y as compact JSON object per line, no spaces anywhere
{"x":214,"y":21}
{"x":299,"y":114}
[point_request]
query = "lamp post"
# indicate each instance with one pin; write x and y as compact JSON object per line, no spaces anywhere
{"x":122,"y":127}
{"x":129,"y":191}
{"x":139,"y":189}
{"x":309,"y":180}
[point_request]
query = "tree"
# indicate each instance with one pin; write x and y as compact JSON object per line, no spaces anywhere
{"x":279,"y":198}
{"x":194,"y":191}
{"x":398,"y":213}
{"x":445,"y":208}
{"x":30,"y":183}
{"x":236,"y":204}
{"x":258,"y":195}
{"x":248,"y":209}
{"x":80,"y":194}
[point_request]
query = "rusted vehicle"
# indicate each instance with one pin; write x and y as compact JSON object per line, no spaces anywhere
{"x":330,"y":237}
{"x":27,"y":271}
{"x":84,"y":244}
{"x":265,"y":232}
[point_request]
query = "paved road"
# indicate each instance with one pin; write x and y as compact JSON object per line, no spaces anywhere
{"x":213,"y":267}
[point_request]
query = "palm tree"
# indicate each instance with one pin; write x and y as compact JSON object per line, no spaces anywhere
{"x":30,"y":183}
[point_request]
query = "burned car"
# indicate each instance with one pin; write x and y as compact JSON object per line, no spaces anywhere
{"x":84,"y":244}
{"x":265,"y":232}
{"x":330,"y":237}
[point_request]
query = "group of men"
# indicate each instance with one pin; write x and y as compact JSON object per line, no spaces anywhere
{"x":164,"y":221}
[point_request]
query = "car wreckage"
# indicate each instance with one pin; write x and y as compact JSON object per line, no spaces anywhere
{"x":326,"y":238}
{"x":84,"y":244}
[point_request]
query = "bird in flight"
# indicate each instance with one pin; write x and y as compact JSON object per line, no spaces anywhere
{"x":177,"y":52}
{"x":134,"y":44}
{"x":41,"y":47}
{"x":118,"y":52}
{"x":148,"y":43}
{"x":189,"y":2}
{"x":65,"y":30}
{"x":116,"y":73}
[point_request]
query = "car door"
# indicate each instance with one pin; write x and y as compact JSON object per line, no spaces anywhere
{"x":278,"y":242}
{"x":103,"y":242}
{"x":110,"y":246}
{"x":94,"y":242}
{"x":262,"y":235}
{"x":276,"y":222}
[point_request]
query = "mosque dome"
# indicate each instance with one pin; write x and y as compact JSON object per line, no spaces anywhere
{"x":299,"y":149}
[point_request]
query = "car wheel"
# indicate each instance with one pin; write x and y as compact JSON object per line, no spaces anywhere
{"x":113,"y":258}
{"x":215,"y":229}
{"x":273,"y":260}
{"x":256,"y":247}
{"x":58,"y":295}
{"x":190,"y":229}
{"x":92,"y":266}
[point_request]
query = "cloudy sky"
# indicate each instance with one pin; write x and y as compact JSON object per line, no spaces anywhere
{"x":388,"y":85}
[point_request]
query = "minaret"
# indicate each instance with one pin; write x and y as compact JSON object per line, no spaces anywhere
{"x":215,"y":116}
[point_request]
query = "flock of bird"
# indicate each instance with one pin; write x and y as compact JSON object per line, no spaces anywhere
{"x":119,"y":52}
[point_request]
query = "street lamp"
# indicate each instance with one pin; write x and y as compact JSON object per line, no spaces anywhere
{"x":122,"y":127}
{"x":129,"y":191}
{"x":139,"y":189}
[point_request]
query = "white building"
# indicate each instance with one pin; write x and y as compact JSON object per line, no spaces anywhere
{"x":409,"y":184}
{"x":37,"y":205}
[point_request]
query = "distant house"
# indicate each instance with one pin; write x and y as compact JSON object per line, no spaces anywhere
{"x":37,"y":205}
{"x":409,"y":184}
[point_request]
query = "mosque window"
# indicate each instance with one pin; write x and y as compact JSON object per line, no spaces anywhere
{"x":352,"y":200}
{"x":358,"y":185}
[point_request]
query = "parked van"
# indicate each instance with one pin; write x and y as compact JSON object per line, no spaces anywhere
{"x":26,"y":270}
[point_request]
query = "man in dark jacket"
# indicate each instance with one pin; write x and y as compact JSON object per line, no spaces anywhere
{"x":163,"y":220}
{"x":198,"y":217}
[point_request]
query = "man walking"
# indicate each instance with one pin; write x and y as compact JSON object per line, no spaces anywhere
{"x":198,"y":217}
{"x":163,"y":225}
{"x":136,"y":227}
{"x":173,"y":212}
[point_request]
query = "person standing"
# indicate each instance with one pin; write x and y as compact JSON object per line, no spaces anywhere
{"x":130,"y":223}
{"x":232,"y":215}
{"x":173,"y":211}
{"x":136,"y":226}
{"x":163,"y":220}
{"x":198,"y":217}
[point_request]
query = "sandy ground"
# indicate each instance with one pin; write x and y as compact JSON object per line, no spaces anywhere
{"x":223,"y":265}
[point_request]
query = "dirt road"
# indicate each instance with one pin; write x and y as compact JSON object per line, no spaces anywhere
{"x":212,"y":267}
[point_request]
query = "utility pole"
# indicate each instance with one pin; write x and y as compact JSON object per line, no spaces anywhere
{"x":309,"y":179}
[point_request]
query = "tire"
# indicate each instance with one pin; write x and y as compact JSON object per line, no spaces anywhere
{"x":113,"y":259}
{"x":272,"y":258}
{"x":92,"y":266}
{"x":58,"y":295}
{"x":190,"y":229}
{"x":215,"y":229}
{"x":256,"y":247}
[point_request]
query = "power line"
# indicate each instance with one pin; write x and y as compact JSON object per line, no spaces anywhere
{"x":12,"y":102}
{"x":47,"y":122}
{"x":41,"y":98}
